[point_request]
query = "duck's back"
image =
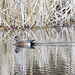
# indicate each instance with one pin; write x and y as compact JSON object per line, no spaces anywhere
{"x":22,"y":44}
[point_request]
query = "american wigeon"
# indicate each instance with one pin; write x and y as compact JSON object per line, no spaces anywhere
{"x":24,"y":44}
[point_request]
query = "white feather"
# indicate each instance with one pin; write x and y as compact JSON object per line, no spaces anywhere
{"x":28,"y":44}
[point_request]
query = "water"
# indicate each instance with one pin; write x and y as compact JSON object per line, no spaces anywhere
{"x":43,"y":60}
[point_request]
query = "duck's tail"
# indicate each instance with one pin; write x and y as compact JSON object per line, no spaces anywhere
{"x":32,"y":44}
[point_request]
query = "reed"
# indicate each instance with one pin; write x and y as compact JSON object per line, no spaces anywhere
{"x":45,"y":12}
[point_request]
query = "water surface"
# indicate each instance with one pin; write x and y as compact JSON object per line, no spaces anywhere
{"x":43,"y":60}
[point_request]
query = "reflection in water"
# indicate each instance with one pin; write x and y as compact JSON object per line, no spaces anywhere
{"x":17,"y":50}
{"x":43,"y":60}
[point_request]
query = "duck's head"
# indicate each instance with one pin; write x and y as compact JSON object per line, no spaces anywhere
{"x":16,"y":38}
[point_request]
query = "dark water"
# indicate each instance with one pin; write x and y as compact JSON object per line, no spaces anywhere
{"x":43,"y":60}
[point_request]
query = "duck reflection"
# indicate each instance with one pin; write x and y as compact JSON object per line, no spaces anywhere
{"x":17,"y":50}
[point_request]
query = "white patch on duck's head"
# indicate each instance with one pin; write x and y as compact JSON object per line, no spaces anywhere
{"x":29,"y":44}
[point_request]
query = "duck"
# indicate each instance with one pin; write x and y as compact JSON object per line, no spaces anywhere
{"x":24,"y":44}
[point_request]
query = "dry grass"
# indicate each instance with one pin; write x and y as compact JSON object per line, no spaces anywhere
{"x":36,"y":15}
